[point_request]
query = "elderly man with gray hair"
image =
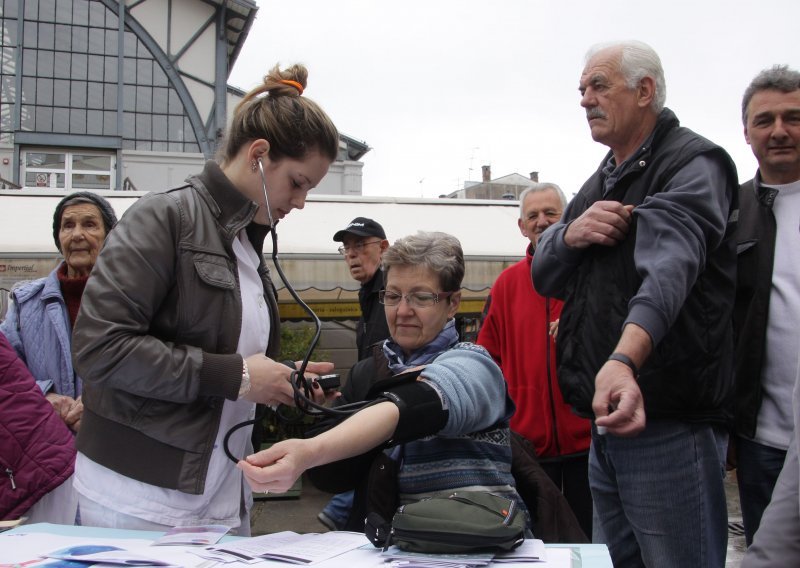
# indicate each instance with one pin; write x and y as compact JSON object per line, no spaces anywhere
{"x":645,"y":260}
{"x":516,"y":331}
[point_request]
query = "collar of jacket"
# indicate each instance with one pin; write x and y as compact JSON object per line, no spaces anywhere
{"x":48,"y":286}
{"x":530,"y":250}
{"x":666,"y":121}
{"x":375,"y":283}
{"x":764,"y":195}
{"x":232,"y":210}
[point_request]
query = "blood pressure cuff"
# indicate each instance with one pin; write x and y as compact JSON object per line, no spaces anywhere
{"x":421,"y":410}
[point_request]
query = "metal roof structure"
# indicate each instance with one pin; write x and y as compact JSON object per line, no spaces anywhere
{"x":239,"y":20}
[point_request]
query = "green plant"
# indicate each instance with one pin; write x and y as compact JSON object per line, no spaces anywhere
{"x":295,"y":341}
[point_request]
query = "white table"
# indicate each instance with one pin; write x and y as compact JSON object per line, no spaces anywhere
{"x":583,"y":555}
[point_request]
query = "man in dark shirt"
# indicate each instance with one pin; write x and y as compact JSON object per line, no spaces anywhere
{"x":645,"y":260}
{"x":363,"y":242}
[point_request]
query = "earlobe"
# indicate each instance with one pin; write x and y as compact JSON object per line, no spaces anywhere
{"x":455,"y":303}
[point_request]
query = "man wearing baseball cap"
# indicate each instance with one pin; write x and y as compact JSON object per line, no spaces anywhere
{"x":363,"y":242}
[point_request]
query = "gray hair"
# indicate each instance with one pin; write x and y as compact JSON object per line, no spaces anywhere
{"x":538,"y":187}
{"x":439,"y":252}
{"x":637,"y":61}
{"x":777,"y":78}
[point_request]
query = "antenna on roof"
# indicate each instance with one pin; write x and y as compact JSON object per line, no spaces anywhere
{"x":472,"y":162}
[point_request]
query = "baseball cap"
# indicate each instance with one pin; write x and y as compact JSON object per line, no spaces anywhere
{"x":363,"y":227}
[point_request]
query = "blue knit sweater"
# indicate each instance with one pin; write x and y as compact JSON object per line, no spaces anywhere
{"x":473,"y":451}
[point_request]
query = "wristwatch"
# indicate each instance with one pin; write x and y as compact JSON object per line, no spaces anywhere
{"x":625,"y":360}
{"x":246,"y":384}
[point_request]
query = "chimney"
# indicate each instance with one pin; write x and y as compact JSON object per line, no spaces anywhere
{"x":487,"y":173}
{"x":535,"y":176}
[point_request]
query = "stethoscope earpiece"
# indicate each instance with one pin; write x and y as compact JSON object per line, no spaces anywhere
{"x":266,"y":197}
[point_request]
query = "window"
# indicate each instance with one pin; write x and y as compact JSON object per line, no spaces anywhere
{"x":69,"y":170}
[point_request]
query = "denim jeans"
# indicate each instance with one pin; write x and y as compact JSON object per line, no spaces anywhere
{"x":338,"y":508}
{"x":660,"y":497}
{"x":757,"y":470}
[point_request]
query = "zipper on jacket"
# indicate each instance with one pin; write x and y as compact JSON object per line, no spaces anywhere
{"x":10,"y":474}
{"x":550,"y":386}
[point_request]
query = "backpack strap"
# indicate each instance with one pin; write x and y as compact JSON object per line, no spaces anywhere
{"x":378,"y":530}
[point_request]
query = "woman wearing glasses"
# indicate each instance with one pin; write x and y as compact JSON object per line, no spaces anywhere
{"x":442,"y":409}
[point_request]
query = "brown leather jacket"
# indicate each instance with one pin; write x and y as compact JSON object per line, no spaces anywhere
{"x":155,"y":341}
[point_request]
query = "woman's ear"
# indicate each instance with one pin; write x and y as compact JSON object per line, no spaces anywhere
{"x":455,"y":303}
{"x":258,"y":151}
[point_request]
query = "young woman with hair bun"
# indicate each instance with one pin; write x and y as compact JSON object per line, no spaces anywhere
{"x":179,"y":325}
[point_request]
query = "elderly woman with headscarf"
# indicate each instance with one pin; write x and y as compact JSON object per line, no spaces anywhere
{"x":40,"y":318}
{"x":42,"y":312}
{"x":444,"y":410}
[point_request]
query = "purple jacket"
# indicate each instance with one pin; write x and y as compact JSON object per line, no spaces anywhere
{"x":37,"y":450}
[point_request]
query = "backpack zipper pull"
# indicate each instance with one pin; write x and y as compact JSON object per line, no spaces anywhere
{"x":10,"y":474}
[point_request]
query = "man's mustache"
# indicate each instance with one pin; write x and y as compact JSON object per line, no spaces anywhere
{"x":595,"y":112}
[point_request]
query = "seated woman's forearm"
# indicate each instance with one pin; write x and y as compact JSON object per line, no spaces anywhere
{"x":360,"y":433}
{"x":278,"y":467}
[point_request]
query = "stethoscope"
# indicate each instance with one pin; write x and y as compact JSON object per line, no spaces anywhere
{"x":300,"y":385}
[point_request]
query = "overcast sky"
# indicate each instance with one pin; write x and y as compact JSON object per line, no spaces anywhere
{"x":438,"y":88}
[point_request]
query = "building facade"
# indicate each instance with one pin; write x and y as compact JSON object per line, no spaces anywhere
{"x":506,"y":187}
{"x":109,"y":95}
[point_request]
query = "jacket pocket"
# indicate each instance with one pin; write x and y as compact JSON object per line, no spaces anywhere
{"x":207,"y":310}
{"x":214,"y":271}
{"x":744,"y":246}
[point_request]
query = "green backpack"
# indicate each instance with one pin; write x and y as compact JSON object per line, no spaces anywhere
{"x":465,"y":521}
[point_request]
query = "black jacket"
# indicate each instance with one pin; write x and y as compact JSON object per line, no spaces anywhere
{"x":372,"y":326}
{"x":689,"y":374}
{"x":755,"y":242}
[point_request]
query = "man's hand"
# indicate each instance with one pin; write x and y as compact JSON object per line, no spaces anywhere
{"x":278,"y":467}
{"x":604,"y":223}
{"x":618,"y":404}
{"x":553,"y":328}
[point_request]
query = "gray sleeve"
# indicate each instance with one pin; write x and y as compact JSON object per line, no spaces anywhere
{"x":776,"y":542}
{"x":113,"y":342}
{"x":553,"y":261}
{"x":472,"y":389}
{"x":676,"y":229}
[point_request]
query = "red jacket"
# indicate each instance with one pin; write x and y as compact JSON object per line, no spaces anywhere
{"x":515,"y":332}
{"x":37,"y":450}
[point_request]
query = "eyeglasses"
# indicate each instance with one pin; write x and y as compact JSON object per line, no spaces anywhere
{"x":357,"y":247}
{"x":414,"y":299}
